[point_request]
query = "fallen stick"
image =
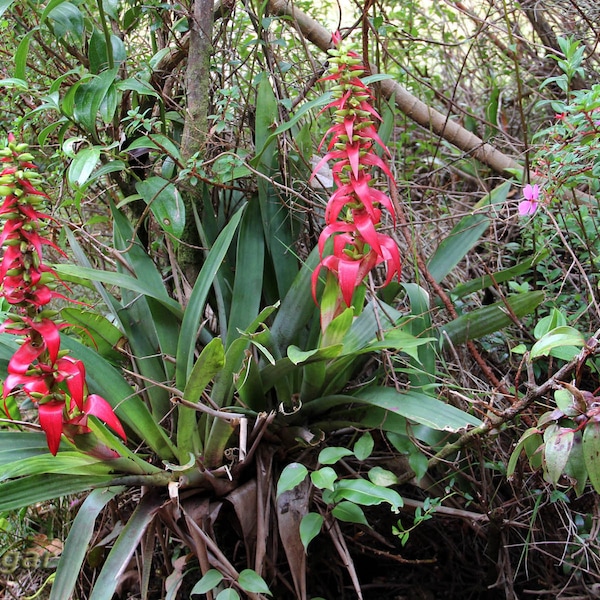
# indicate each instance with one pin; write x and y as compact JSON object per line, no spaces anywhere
{"x":410,"y":105}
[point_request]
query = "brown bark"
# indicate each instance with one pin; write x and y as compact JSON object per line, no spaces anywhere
{"x":406,"y":102}
{"x":195,"y":128}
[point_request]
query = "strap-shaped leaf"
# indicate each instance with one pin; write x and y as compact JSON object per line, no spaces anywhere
{"x":77,"y":542}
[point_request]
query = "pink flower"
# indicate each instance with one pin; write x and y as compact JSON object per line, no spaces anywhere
{"x":529,"y":205}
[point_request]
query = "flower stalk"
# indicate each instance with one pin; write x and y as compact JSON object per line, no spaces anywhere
{"x":48,"y":376}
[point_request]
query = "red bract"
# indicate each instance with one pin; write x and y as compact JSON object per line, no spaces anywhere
{"x":353,"y":213}
{"x":52,"y":380}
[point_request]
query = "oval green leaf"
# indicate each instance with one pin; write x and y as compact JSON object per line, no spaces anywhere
{"x":310,"y":526}
{"x":329,"y":456}
{"x":211,"y":579}
{"x":324,"y":478}
{"x":250,"y":581}
{"x":350,"y":513}
{"x":291,"y":476}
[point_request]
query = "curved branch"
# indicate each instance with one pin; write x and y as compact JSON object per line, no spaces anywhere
{"x":410,"y":105}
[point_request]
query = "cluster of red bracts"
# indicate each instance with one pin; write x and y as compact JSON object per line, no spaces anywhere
{"x":353,"y":213}
{"x":54,"y":381}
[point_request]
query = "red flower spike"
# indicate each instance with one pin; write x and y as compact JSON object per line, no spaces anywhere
{"x":56,"y":385}
{"x":357,"y":245}
{"x":51,"y":421}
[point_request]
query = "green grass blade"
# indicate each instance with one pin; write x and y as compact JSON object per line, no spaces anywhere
{"x":466,"y":234}
{"x":249,"y":268}
{"x":27,"y":491}
{"x":297,"y":308}
{"x":124,"y":547}
{"x":195,"y":308}
{"x":77,"y":542}
{"x":20,"y":445}
{"x":488,"y":319}
{"x":419,"y":408}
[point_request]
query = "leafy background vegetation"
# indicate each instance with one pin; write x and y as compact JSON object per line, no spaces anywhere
{"x":439,"y":440}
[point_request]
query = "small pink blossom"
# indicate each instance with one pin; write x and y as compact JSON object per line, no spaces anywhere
{"x":529,"y":205}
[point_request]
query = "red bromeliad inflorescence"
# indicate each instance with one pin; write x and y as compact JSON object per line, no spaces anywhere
{"x":54,"y":381}
{"x":353,"y":212}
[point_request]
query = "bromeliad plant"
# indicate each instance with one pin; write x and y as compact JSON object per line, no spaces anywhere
{"x":48,"y":376}
{"x":353,"y":213}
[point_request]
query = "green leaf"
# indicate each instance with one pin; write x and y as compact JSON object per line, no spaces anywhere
{"x":229,"y":594}
{"x":310,"y":526}
{"x":82,"y":165}
{"x":305,"y":108}
{"x":210,"y":580}
{"x":89,"y":97}
{"x":466,"y":234}
{"x":125,"y":545}
{"x":249,"y":268}
{"x":161,"y":143}
{"x":21,"y":56}
{"x":32,"y":489}
{"x":591,"y":452}
{"x":418,"y":462}
{"x":66,"y":463}
{"x":250,"y":581}
{"x":4,"y":6}
{"x":558,"y":337}
{"x":137,"y":85}
{"x":98,"y":51}
{"x":486,"y":281}
{"x":489,"y":319}
{"x":67,"y":18}
{"x":297,"y":307}
{"x":350,"y":513}
{"x":291,"y":476}
{"x":324,"y":478}
{"x":546,"y":324}
{"x":382,"y":477}
{"x":575,"y":468}
{"x":399,"y":340}
{"x":75,"y":549}
{"x":366,"y":493}
{"x":514,"y":457}
{"x":329,"y":456}
{"x":139,"y":286}
{"x":195,"y":308}
{"x":20,"y":445}
{"x":96,"y":332}
{"x":209,"y":363}
{"x":364,"y":446}
{"x":14,"y":82}
{"x":298,"y":357}
{"x":418,"y":407}
{"x":165,"y":202}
